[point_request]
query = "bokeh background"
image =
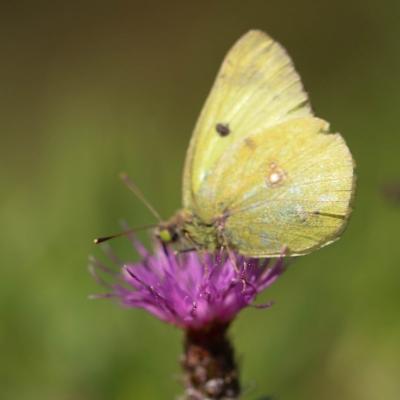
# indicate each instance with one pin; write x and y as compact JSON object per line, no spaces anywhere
{"x":95,"y":88}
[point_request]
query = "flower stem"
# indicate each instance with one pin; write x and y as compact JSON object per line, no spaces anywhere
{"x":210,"y":370}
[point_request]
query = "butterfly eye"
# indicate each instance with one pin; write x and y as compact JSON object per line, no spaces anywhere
{"x":165,"y":235}
{"x":222,"y":129}
{"x":168,"y":235}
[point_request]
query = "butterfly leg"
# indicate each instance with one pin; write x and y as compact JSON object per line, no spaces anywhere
{"x":188,"y":243}
{"x":230,"y":254}
{"x":183,"y":251}
{"x":241,"y":272}
{"x":195,"y":247}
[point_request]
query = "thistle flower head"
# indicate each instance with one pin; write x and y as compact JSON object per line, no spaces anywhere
{"x":193,"y":290}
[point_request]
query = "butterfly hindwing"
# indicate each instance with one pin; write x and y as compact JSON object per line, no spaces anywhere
{"x":288,"y":187}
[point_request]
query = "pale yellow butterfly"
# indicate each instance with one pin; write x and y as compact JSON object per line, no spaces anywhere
{"x":262,"y":173}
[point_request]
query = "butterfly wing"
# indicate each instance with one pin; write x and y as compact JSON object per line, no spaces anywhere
{"x":256,"y":88}
{"x":288,"y":187}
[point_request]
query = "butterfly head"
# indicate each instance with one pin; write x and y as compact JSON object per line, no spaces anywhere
{"x":181,"y":229}
{"x":171,"y":231}
{"x":189,"y":231}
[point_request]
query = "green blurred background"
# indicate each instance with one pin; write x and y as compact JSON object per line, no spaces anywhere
{"x":92,"y":89}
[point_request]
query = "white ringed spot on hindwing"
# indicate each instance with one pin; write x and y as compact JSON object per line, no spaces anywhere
{"x":275,"y":175}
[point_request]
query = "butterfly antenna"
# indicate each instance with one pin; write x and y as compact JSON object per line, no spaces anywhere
{"x":138,"y":193}
{"x":123,"y":233}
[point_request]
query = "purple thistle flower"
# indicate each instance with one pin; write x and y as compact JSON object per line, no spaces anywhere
{"x":194,"y":291}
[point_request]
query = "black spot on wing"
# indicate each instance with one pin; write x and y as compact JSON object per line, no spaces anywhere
{"x":222,"y":129}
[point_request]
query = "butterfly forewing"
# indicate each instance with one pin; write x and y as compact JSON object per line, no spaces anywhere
{"x":256,"y":87}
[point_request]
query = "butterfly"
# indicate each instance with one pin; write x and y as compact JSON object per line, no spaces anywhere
{"x":262,"y":173}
